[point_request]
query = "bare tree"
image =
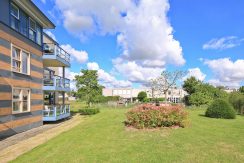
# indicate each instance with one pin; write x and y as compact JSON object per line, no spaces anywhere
{"x":168,"y":80}
{"x":164,"y":82}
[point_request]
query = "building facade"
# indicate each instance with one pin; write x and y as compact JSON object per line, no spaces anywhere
{"x":22,"y":65}
{"x":174,"y":95}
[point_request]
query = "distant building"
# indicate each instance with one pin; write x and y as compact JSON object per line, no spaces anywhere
{"x":175,"y":95}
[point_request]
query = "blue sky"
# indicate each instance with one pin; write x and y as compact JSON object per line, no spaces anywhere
{"x":208,"y":38}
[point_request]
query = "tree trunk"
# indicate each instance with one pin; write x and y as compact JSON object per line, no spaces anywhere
{"x":166,"y":96}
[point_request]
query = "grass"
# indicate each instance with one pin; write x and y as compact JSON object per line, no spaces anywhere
{"x":103,"y":138}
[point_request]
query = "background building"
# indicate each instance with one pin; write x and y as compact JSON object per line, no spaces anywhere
{"x":175,"y":95}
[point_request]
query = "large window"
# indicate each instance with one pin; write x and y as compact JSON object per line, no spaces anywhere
{"x":14,"y":22}
{"x":21,"y":100}
{"x":25,"y":25}
{"x":20,"y":61}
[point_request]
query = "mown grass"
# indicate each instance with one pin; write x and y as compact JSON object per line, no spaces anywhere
{"x":104,"y":138}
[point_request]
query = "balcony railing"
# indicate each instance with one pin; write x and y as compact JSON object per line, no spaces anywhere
{"x":56,"y":112}
{"x":53,"y":49}
{"x":56,"y":81}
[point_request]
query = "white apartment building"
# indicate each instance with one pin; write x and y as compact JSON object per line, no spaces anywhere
{"x":175,"y":95}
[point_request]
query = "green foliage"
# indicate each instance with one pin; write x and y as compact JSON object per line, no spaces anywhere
{"x":88,"y":87}
{"x":221,"y":109}
{"x":151,"y":116}
{"x":241,"y":89}
{"x":89,"y":111}
{"x":112,"y":98}
{"x":199,"y":98}
{"x":190,"y":85}
{"x":237,"y":101}
{"x":141,"y":96}
{"x":204,"y":94}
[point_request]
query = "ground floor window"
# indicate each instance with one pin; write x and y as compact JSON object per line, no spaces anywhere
{"x":21,"y":100}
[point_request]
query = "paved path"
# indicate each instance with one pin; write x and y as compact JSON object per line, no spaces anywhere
{"x":19,"y":144}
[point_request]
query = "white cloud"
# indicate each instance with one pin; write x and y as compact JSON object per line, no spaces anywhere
{"x":92,"y":66}
{"x":144,"y":34}
{"x":226,"y":71}
{"x":49,"y":33}
{"x":223,"y":43}
{"x":136,"y":73}
{"x":78,"y":55}
{"x":107,"y":79}
{"x":195,"y":72}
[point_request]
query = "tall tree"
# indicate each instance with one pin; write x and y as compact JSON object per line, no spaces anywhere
{"x":190,"y":85}
{"x":241,"y":89}
{"x":87,"y":85}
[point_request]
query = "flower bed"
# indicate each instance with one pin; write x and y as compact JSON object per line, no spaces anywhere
{"x":151,"y":116}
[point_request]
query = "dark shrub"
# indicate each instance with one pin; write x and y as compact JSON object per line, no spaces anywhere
{"x":151,"y":116}
{"x":89,"y":111}
{"x":220,"y":109}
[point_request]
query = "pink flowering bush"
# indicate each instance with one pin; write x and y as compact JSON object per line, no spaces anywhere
{"x":151,"y":116}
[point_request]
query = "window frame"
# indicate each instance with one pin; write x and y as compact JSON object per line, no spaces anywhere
{"x":20,"y":60}
{"x":21,"y":101}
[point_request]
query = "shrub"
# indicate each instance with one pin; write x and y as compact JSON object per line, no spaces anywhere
{"x":237,"y":101}
{"x":220,"y":109}
{"x":89,"y":111}
{"x":151,"y":116}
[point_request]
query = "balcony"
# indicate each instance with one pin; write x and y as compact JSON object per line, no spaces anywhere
{"x":56,"y":83}
{"x":55,"y":112}
{"x":55,"y":56}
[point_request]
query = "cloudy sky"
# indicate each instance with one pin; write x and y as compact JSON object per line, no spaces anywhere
{"x":132,"y":41}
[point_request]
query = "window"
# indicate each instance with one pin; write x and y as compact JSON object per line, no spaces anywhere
{"x":20,"y":61}
{"x":21,"y":100}
{"x":16,"y":63}
{"x":23,"y":24}
{"x":32,"y":30}
{"x":14,"y":17}
{"x":38,"y":35}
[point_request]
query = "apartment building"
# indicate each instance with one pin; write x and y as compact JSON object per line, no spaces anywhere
{"x":174,"y":95}
{"x":27,"y":55}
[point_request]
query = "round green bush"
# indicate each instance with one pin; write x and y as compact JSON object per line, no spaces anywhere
{"x":221,"y":109}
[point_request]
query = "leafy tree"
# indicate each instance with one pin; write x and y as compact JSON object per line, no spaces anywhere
{"x":142,"y":96}
{"x":87,"y":86}
{"x":190,"y":85}
{"x":241,"y":89}
{"x":237,"y":101}
{"x":205,"y":93}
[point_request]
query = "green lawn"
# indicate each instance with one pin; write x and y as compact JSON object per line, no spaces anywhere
{"x":103,"y":138}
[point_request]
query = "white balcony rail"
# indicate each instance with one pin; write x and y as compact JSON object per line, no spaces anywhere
{"x":56,"y":110}
{"x":56,"y":81}
{"x":53,"y":49}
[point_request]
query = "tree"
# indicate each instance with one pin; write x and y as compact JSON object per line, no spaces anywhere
{"x":241,"y":89}
{"x":237,"y":101}
{"x":87,"y":86}
{"x":168,"y":80}
{"x":190,"y":85}
{"x":204,"y":94}
{"x":142,"y":96}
